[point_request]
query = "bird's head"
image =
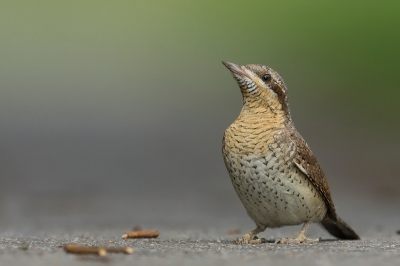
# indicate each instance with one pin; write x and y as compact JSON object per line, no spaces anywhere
{"x":261,"y":87}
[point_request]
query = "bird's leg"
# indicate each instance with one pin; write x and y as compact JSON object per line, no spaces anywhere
{"x":247,"y":238}
{"x":300,"y":239}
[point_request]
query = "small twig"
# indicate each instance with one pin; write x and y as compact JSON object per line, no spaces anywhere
{"x":141,"y":234}
{"x":85,"y":250}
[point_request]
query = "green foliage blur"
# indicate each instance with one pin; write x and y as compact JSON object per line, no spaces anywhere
{"x":104,"y":60}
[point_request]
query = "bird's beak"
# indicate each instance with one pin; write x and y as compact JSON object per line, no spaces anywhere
{"x":235,"y":69}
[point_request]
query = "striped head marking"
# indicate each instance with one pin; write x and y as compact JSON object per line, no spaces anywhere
{"x":261,"y":86}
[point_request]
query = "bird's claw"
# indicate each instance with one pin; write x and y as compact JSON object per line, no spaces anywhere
{"x":246,"y":240}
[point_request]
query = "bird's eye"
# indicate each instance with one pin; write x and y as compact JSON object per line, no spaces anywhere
{"x":266,"y":77}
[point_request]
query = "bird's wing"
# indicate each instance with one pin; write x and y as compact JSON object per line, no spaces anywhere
{"x":304,"y":159}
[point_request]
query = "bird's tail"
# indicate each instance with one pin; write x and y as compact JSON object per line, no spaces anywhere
{"x":339,"y":229}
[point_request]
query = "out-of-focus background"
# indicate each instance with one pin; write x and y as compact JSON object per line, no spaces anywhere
{"x":112,"y":113}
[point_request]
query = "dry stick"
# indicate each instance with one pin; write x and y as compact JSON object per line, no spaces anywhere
{"x":141,"y":234}
{"x":85,"y":250}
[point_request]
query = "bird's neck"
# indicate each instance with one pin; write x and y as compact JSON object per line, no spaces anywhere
{"x":263,"y":115}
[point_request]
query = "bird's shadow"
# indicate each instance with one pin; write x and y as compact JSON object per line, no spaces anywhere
{"x":274,"y":241}
{"x":321,"y":240}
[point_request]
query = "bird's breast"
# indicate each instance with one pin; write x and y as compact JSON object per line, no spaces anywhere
{"x":246,"y":136}
{"x":272,"y":189}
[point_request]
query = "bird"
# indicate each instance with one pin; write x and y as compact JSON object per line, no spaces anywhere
{"x":272,"y":168}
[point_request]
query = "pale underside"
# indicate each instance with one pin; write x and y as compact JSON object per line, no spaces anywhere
{"x":274,"y":191}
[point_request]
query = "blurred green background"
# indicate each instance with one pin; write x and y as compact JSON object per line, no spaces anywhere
{"x":126,"y":102}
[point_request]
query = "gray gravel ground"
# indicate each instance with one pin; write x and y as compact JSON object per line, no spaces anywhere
{"x":197,"y":250}
{"x":194,"y":237}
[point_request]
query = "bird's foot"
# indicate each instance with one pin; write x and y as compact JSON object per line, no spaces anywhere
{"x":297,"y":240}
{"x":246,"y":239}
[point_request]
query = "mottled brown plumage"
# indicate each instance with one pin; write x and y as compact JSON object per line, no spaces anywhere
{"x":272,"y":169}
